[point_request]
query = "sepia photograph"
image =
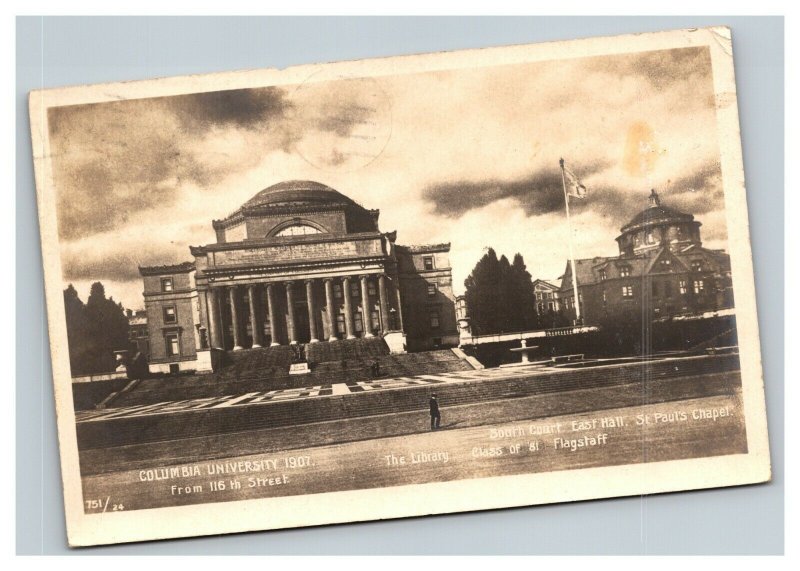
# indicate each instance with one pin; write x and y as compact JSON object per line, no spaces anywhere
{"x":399,"y":287}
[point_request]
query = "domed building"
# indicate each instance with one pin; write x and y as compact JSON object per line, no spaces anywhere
{"x":658,"y":226}
{"x":662,"y":271}
{"x":297,"y":263}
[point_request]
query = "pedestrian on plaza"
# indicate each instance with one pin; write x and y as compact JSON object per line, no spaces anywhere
{"x":436,"y":416}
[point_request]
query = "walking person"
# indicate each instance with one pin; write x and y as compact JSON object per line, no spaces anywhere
{"x":436,"y":416}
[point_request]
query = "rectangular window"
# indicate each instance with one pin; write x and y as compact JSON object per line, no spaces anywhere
{"x":170,"y":316}
{"x":337,"y":291}
{"x":354,"y":289}
{"x":698,"y":286}
{"x":605,"y":297}
{"x":697,"y":265}
{"x":625,"y":271}
{"x":166,"y":284}
{"x":357,"y":322}
{"x":603,"y":275}
{"x":376,"y":320}
{"x":682,"y":287}
{"x":434,"y":318}
{"x":431,"y":290}
{"x":371,"y":288}
{"x":627,"y":291}
{"x":427,"y":262}
{"x":173,"y":347}
{"x":340,"y":323}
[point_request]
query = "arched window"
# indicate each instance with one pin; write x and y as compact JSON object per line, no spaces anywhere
{"x":298,"y":230}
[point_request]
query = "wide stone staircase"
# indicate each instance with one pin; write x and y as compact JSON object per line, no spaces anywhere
{"x":292,"y":413}
{"x":267,"y":368}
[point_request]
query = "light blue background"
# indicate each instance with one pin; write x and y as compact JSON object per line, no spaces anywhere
{"x":54,"y":52}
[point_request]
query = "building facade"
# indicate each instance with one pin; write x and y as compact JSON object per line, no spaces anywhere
{"x":547,"y":296}
{"x":297,"y":263}
{"x":138,"y":333}
{"x":662,"y":270}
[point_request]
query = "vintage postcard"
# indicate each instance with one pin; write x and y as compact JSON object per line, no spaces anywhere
{"x":398,"y":287}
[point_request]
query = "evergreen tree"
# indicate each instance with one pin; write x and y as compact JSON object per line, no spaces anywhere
{"x":77,"y":331}
{"x":94,"y":330}
{"x":499,"y":295}
{"x":524,"y":296}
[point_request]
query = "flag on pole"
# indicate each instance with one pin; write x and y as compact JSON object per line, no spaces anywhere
{"x":574,"y":186}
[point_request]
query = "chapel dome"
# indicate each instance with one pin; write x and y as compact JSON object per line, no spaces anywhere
{"x":297,"y":192}
{"x":656,"y":214}
{"x":657,"y":226}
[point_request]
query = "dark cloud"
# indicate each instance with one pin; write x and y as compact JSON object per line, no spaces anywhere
{"x":699,"y":192}
{"x":242,"y":108}
{"x":120,"y":264}
{"x":542,"y":193}
{"x":117,"y":158}
{"x":538,"y":193}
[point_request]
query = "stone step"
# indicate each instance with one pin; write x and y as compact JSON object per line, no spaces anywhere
{"x":184,"y":424}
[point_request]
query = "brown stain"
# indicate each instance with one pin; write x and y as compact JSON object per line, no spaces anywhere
{"x":641,"y":152}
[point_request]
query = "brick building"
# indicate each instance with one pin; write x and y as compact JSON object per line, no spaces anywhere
{"x":662,"y":270}
{"x":297,"y":263}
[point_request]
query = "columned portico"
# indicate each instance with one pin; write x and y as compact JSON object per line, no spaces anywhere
{"x":259,"y":284}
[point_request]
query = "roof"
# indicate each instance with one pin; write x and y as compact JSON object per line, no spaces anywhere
{"x":656,"y":213}
{"x":551,"y":284}
{"x":584,"y":270}
{"x":181,"y":268}
{"x":639,"y":265}
{"x":297,"y":192}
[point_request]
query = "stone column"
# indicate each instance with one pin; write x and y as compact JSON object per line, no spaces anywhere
{"x":399,"y":304}
{"x":348,"y":309}
{"x":365,"y":311}
{"x":273,"y":323}
{"x":332,"y":311}
{"x":290,"y":312}
{"x":251,"y":297}
{"x":312,"y":311}
{"x":213,"y":319}
{"x":384,"y":303}
{"x":237,"y":342}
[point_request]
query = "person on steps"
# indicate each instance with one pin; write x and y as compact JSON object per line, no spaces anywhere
{"x":436,"y":416}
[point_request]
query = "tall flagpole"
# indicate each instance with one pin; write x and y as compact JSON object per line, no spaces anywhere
{"x":571,"y":256}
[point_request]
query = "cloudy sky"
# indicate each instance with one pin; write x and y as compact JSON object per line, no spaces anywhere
{"x":468,"y":157}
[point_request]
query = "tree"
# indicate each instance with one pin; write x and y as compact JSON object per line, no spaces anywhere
{"x":94,"y":330}
{"x":499,"y":295}
{"x":77,"y":331}
{"x":524,"y":295}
